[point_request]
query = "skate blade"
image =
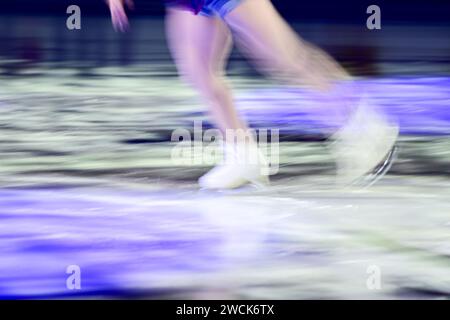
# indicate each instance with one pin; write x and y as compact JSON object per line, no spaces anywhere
{"x":379,"y":172}
{"x":260,"y":184}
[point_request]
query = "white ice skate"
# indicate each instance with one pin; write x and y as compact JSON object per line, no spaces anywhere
{"x":243,"y":164}
{"x":365,"y":147}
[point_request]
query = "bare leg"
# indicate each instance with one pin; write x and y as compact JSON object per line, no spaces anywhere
{"x":367,"y":138}
{"x":200,"y":47}
{"x":277,"y":50}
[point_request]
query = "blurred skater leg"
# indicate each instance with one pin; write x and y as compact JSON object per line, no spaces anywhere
{"x":201,"y":46}
{"x":366,"y":138}
{"x":277,"y":50}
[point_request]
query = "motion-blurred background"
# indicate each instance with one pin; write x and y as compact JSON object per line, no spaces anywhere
{"x":86,"y":118}
{"x":412,"y":31}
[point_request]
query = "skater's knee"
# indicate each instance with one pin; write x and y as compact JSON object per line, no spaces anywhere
{"x":209,"y":83}
{"x":192,"y":73}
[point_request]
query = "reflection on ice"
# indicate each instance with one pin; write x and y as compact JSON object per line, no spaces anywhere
{"x":290,"y":241}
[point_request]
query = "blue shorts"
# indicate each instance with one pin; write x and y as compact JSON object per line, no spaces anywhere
{"x":213,"y":8}
{"x":220,"y":8}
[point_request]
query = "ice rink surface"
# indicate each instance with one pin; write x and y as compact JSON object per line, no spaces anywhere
{"x":87,"y":180}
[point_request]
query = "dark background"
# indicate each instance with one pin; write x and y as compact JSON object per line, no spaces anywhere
{"x":414,"y":37}
{"x":430,"y":11}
